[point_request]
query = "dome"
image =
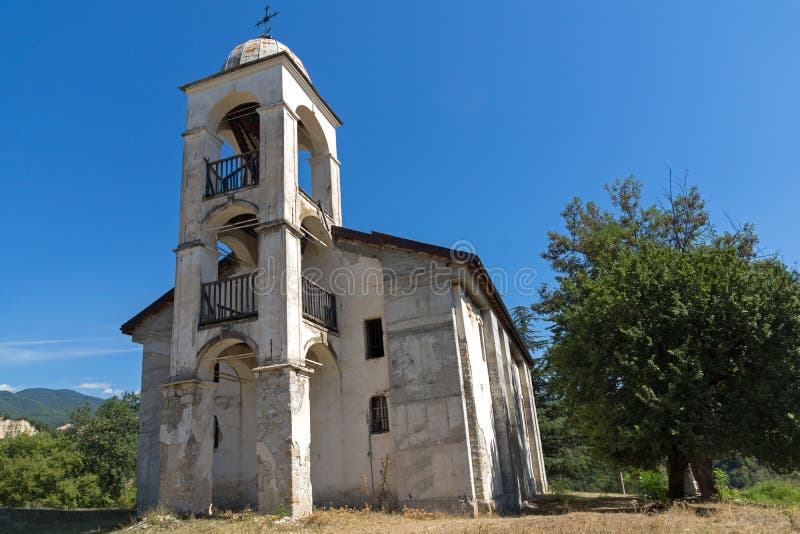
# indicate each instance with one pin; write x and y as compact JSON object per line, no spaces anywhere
{"x":259,"y":48}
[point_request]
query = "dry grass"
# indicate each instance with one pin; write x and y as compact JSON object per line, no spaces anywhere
{"x":566,"y":514}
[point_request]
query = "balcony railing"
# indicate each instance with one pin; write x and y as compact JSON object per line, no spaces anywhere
{"x":228,"y":300}
{"x":230,"y":174}
{"x":319,"y":305}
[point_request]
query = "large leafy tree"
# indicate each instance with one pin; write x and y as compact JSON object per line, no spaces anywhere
{"x":671,"y":340}
{"x":107,"y":442}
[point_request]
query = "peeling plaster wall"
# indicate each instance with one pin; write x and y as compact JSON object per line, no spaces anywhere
{"x":155,"y":335}
{"x":427,"y":405}
{"x":486,"y":462}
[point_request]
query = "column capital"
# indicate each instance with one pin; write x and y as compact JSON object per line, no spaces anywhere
{"x":188,"y":245}
{"x":280,"y":367}
{"x":275,"y":106}
{"x":202,"y":130}
{"x":274,"y":225}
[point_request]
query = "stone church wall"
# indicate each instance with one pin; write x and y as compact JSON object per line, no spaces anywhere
{"x":156,"y":337}
{"x":427,"y":405}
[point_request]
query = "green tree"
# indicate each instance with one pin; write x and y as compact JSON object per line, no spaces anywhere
{"x":43,"y":469}
{"x":567,"y":457}
{"x":107,"y":442}
{"x":671,"y":340}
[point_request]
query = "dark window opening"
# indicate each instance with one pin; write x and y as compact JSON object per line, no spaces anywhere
{"x":216,"y":372}
{"x":216,"y":433}
{"x":374,"y":335}
{"x":379,"y":414}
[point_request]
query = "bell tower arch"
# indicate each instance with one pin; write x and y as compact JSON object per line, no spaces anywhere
{"x":238,"y":269}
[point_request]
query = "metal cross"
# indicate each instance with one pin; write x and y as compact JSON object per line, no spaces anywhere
{"x":265,"y":21}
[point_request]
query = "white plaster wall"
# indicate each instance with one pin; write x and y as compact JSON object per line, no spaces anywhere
{"x":234,"y":469}
{"x":350,"y":478}
{"x":325,"y":395}
{"x":155,"y":335}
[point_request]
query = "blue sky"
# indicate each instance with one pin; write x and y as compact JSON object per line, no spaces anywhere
{"x":463,"y":121}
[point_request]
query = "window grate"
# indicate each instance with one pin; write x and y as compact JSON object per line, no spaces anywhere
{"x":374,"y":338}
{"x":379,"y":414}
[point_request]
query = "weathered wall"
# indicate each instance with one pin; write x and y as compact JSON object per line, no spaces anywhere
{"x":234,"y":470}
{"x":497,"y":369}
{"x":477,"y":392}
{"x":433,"y":455}
{"x":341,"y":390}
{"x":155,"y":335}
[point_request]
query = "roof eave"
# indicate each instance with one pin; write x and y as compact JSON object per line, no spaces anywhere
{"x":279,"y":55}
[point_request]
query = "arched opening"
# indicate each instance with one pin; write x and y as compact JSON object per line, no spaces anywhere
{"x":312,"y":145}
{"x":230,"y":295}
{"x":304,"y":169}
{"x":326,"y":411}
{"x":319,"y":302}
{"x":240,"y":127}
{"x":229,"y":365}
{"x":237,"y":166}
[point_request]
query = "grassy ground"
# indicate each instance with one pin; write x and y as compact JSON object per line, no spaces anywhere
{"x":553,"y":513}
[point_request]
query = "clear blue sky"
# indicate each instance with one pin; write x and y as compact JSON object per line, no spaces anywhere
{"x":463,"y":120}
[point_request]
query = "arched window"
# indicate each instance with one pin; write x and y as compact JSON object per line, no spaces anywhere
{"x":216,"y":433}
{"x":379,"y":414}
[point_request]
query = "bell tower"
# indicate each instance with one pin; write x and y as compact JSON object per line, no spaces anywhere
{"x":238,"y":302}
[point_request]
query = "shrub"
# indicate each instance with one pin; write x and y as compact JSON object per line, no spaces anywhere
{"x":723,"y":484}
{"x":775,"y":492}
{"x":652,"y":485}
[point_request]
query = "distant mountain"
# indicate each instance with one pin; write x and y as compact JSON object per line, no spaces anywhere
{"x":50,"y":406}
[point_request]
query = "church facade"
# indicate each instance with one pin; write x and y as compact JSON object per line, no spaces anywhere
{"x":297,"y":362}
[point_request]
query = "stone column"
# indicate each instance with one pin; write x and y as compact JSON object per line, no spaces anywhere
{"x":283,"y":447}
{"x":479,"y":456}
{"x":534,"y":437}
{"x":199,"y":145}
{"x":278,"y":162}
{"x":187,"y":446}
{"x":325,"y":184}
{"x":497,"y":381}
{"x":280,"y":298}
{"x":195,"y":261}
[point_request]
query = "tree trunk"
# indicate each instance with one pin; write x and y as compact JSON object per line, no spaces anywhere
{"x":677,"y":462}
{"x":703,"y":472}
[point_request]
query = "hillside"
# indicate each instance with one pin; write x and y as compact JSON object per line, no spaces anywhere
{"x":50,"y":406}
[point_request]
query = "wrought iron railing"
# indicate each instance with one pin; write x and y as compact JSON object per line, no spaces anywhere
{"x":228,"y":300}
{"x":318,"y":304}
{"x":230,"y":174}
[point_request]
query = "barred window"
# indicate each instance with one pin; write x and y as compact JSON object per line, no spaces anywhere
{"x":379,"y":412}
{"x":374,"y":337}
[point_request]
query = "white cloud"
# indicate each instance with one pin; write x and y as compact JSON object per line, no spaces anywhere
{"x":93,"y":385}
{"x":6,"y":387}
{"x":109,"y":391}
{"x":31,"y":351}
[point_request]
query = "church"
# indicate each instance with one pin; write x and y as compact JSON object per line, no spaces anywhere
{"x":300,"y":363}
